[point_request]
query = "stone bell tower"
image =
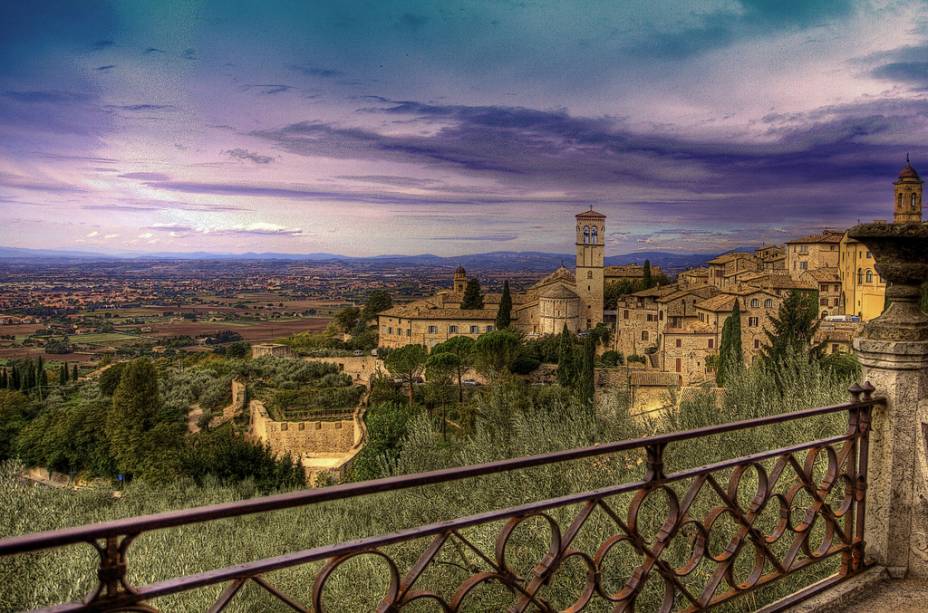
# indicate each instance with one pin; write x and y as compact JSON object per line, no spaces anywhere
{"x":908,"y":195}
{"x":460,"y":280}
{"x":591,"y":246}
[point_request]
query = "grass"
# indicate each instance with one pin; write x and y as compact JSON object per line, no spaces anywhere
{"x":103,"y":338}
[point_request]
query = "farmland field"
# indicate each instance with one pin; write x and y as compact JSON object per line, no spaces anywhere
{"x":103,"y":338}
{"x":251,"y":331}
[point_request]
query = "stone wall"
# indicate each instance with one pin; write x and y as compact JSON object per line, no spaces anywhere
{"x":300,"y":438}
{"x":359,"y":368}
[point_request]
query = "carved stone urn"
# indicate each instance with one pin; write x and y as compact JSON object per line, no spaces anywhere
{"x":901,"y":255}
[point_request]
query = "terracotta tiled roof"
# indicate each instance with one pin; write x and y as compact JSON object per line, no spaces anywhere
{"x":730,"y":256}
{"x":561,"y":274}
{"x":823,"y":275}
{"x":826,"y":237}
{"x":723,"y":303}
{"x":591,"y":214}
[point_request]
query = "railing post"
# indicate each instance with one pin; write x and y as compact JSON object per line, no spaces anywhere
{"x":893,"y":350}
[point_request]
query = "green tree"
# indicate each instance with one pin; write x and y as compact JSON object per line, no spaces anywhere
{"x":63,"y":374}
{"x":504,"y":314}
{"x":646,"y":275}
{"x":567,"y":360}
{"x":75,"y":373}
{"x":14,"y":415}
{"x":109,"y":378}
{"x":347,"y":318}
{"x":440,"y":369}
{"x":407,"y":364}
{"x":496,"y":351}
{"x":587,"y":387}
{"x":793,"y":328}
{"x":377,"y":301}
{"x":473,"y":295}
{"x":142,"y":442}
{"x":387,"y":424}
{"x":463,"y":348}
{"x":731,"y":358}
{"x":611,"y":359}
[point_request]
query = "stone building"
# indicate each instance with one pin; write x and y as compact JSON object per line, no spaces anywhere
{"x":828,"y":283}
{"x":629,"y":272}
{"x":812,"y":252}
{"x":574,"y":299}
{"x":724,"y":270}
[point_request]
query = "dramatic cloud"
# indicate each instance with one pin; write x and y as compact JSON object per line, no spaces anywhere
{"x":393,"y":127}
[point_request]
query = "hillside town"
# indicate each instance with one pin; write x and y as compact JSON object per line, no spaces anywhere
{"x":676,"y":327}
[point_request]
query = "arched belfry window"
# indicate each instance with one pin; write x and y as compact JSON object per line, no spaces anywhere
{"x":594,"y":234}
{"x":869,"y":276}
{"x":900,"y":201}
{"x":914,"y":202}
{"x":586,"y":235}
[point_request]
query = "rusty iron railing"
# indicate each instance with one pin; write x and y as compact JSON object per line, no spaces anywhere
{"x":836,"y":494}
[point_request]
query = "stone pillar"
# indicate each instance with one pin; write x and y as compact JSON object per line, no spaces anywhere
{"x":893,"y":350}
{"x":897,"y":507}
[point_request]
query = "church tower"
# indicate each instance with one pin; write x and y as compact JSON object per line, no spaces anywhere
{"x":591,"y":245}
{"x":908,"y":195}
{"x":460,"y":280}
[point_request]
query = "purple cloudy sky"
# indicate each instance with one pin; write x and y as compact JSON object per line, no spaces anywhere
{"x":452,"y":127}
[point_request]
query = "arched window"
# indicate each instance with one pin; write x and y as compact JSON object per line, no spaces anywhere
{"x":899,"y":202}
{"x":860,"y":276}
{"x":869,"y":276}
{"x":768,"y":303}
{"x":586,"y":235}
{"x":594,"y":233}
{"x":755,"y":303}
{"x":914,"y":201}
{"x":644,"y":335}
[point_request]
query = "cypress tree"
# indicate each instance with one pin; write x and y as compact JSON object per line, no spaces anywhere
{"x":63,"y":375}
{"x":133,"y":415}
{"x":504,"y":315}
{"x":794,"y":327}
{"x":731,"y":358}
{"x":74,"y":373}
{"x":43,"y":383}
{"x":587,"y":386}
{"x":3,"y":378}
{"x":473,"y":297}
{"x":646,"y":275}
{"x":566,"y":362}
{"x":15,"y":379}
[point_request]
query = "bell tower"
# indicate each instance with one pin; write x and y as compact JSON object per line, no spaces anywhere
{"x":907,"y":195}
{"x":460,"y":280}
{"x":591,"y":245}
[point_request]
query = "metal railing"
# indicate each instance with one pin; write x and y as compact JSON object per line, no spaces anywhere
{"x":829,"y":473}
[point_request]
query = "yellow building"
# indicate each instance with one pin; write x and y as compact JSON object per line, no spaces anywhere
{"x":863,"y":292}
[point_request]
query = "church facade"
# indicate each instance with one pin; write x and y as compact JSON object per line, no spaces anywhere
{"x":564,"y":297}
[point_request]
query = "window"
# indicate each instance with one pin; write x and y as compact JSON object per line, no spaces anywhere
{"x":860,"y":276}
{"x":644,"y":335}
{"x":390,"y":330}
{"x":452,"y":329}
{"x":594,"y":235}
{"x":586,"y":235}
{"x":711,"y":343}
{"x":756,"y":343}
{"x":625,"y":314}
{"x":803,"y":266}
{"x":753,"y":322}
{"x":755,"y":303}
{"x":589,"y":274}
{"x":678,"y":343}
{"x":475,"y":329}
{"x":869,"y":276}
{"x":489,"y":329}
{"x":834,"y":348}
{"x":914,"y":201}
{"x":768,"y":303}
{"x":823,"y":301}
{"x":433,"y":329}
{"x":837,"y":301}
{"x":679,"y":365}
{"x":899,"y":201}
{"x":869,"y":255}
{"x":660,"y":315}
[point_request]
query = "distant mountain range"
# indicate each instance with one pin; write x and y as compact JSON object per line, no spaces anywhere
{"x":500,"y":260}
